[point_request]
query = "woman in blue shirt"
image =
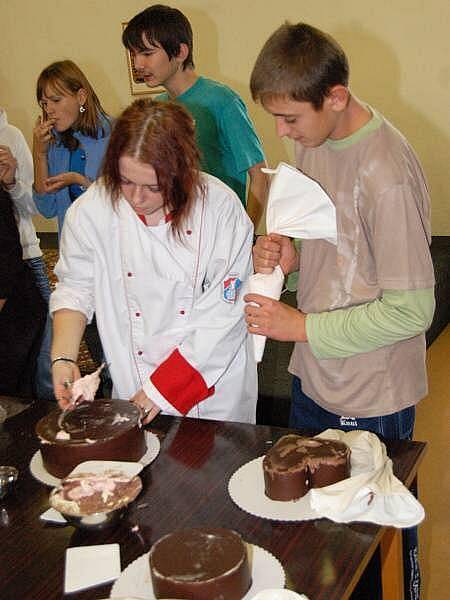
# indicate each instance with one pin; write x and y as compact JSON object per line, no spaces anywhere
{"x":70,"y":138}
{"x":69,"y":141}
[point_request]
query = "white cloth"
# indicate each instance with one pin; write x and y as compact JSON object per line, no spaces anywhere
{"x":372,"y":493}
{"x":298,"y":207}
{"x":153,"y":294}
{"x":21,"y":193}
{"x":269,"y":285}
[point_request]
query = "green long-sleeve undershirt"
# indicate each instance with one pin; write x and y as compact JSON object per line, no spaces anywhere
{"x":396,"y":316}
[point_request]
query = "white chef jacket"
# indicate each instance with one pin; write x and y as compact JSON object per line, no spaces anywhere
{"x":21,"y":192}
{"x":169,"y":311}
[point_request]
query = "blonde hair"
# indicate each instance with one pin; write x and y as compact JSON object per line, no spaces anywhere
{"x":66,"y":78}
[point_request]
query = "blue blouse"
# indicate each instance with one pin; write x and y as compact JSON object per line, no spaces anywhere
{"x":58,"y":159}
{"x":77,"y":164}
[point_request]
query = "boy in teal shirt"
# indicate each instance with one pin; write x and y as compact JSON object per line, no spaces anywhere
{"x":160,"y":42}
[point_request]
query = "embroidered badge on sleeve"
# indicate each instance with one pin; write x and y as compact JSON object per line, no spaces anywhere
{"x":231,"y":287}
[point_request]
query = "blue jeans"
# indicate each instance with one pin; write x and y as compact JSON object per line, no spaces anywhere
{"x":306,"y":414}
{"x":43,"y":382}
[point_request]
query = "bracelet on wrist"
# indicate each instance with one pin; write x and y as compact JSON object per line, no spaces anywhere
{"x":64,"y":359}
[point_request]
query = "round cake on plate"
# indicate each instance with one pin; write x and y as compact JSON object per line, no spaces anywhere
{"x":203,"y":563}
{"x":99,"y":430}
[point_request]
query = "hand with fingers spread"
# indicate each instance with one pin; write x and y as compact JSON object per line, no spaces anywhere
{"x":8,"y":166}
{"x":148,"y":409}
{"x":274,"y":319}
{"x":272,"y":250}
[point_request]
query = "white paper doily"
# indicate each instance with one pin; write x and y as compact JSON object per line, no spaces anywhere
{"x":246,"y":488}
{"x":40,"y":473}
{"x":135,"y":579}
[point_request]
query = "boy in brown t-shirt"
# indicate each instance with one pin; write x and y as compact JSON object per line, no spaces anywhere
{"x":363,"y":305}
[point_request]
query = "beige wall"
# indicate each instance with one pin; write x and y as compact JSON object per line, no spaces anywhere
{"x":398,"y":49}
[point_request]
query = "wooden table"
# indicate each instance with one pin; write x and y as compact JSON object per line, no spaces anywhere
{"x":186,"y":486}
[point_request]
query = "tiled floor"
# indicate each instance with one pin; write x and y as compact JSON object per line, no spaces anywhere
{"x":433,"y":426}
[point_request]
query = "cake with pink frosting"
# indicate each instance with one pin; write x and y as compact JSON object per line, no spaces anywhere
{"x":88,"y":493}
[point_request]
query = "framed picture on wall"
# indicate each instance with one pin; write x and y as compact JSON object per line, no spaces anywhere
{"x":137,"y":84}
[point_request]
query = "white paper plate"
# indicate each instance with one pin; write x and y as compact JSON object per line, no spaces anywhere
{"x":246,"y":488}
{"x":135,"y":580}
{"x":97,"y":467}
{"x":40,"y":473}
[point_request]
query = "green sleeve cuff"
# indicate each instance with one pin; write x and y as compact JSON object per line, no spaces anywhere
{"x":396,"y":316}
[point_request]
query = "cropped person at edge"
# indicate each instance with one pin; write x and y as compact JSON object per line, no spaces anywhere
{"x":16,"y":177}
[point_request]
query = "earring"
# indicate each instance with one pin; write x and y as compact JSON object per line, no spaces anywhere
{"x":82,"y":109}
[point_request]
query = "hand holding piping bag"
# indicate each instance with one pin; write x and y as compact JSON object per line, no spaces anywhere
{"x":83,"y":389}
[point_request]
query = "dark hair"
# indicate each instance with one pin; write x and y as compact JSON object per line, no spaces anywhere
{"x":162,"y":135}
{"x":299,"y":62}
{"x":67,"y":78}
{"x":161,"y":25}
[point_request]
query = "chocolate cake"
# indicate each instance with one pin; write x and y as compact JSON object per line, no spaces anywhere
{"x":89,"y":493}
{"x":99,"y":430}
{"x":204,"y":563}
{"x":296,"y":464}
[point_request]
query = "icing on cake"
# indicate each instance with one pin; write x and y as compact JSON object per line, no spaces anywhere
{"x":86,"y":387}
{"x":295,"y":464}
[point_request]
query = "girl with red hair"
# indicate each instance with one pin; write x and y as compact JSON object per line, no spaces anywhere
{"x":159,"y":250}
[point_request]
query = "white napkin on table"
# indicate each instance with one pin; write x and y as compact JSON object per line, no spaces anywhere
{"x":53,"y":516}
{"x":296,"y":207}
{"x":372,"y":493}
{"x":87,"y":566}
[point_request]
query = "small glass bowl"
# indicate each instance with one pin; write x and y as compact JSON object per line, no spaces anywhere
{"x":96,"y":521}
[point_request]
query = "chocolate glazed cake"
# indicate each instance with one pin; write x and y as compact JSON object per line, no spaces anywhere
{"x":296,"y":464}
{"x":204,"y":563}
{"x":99,"y":430}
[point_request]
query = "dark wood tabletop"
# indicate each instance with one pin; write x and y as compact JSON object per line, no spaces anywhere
{"x":186,"y":486}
